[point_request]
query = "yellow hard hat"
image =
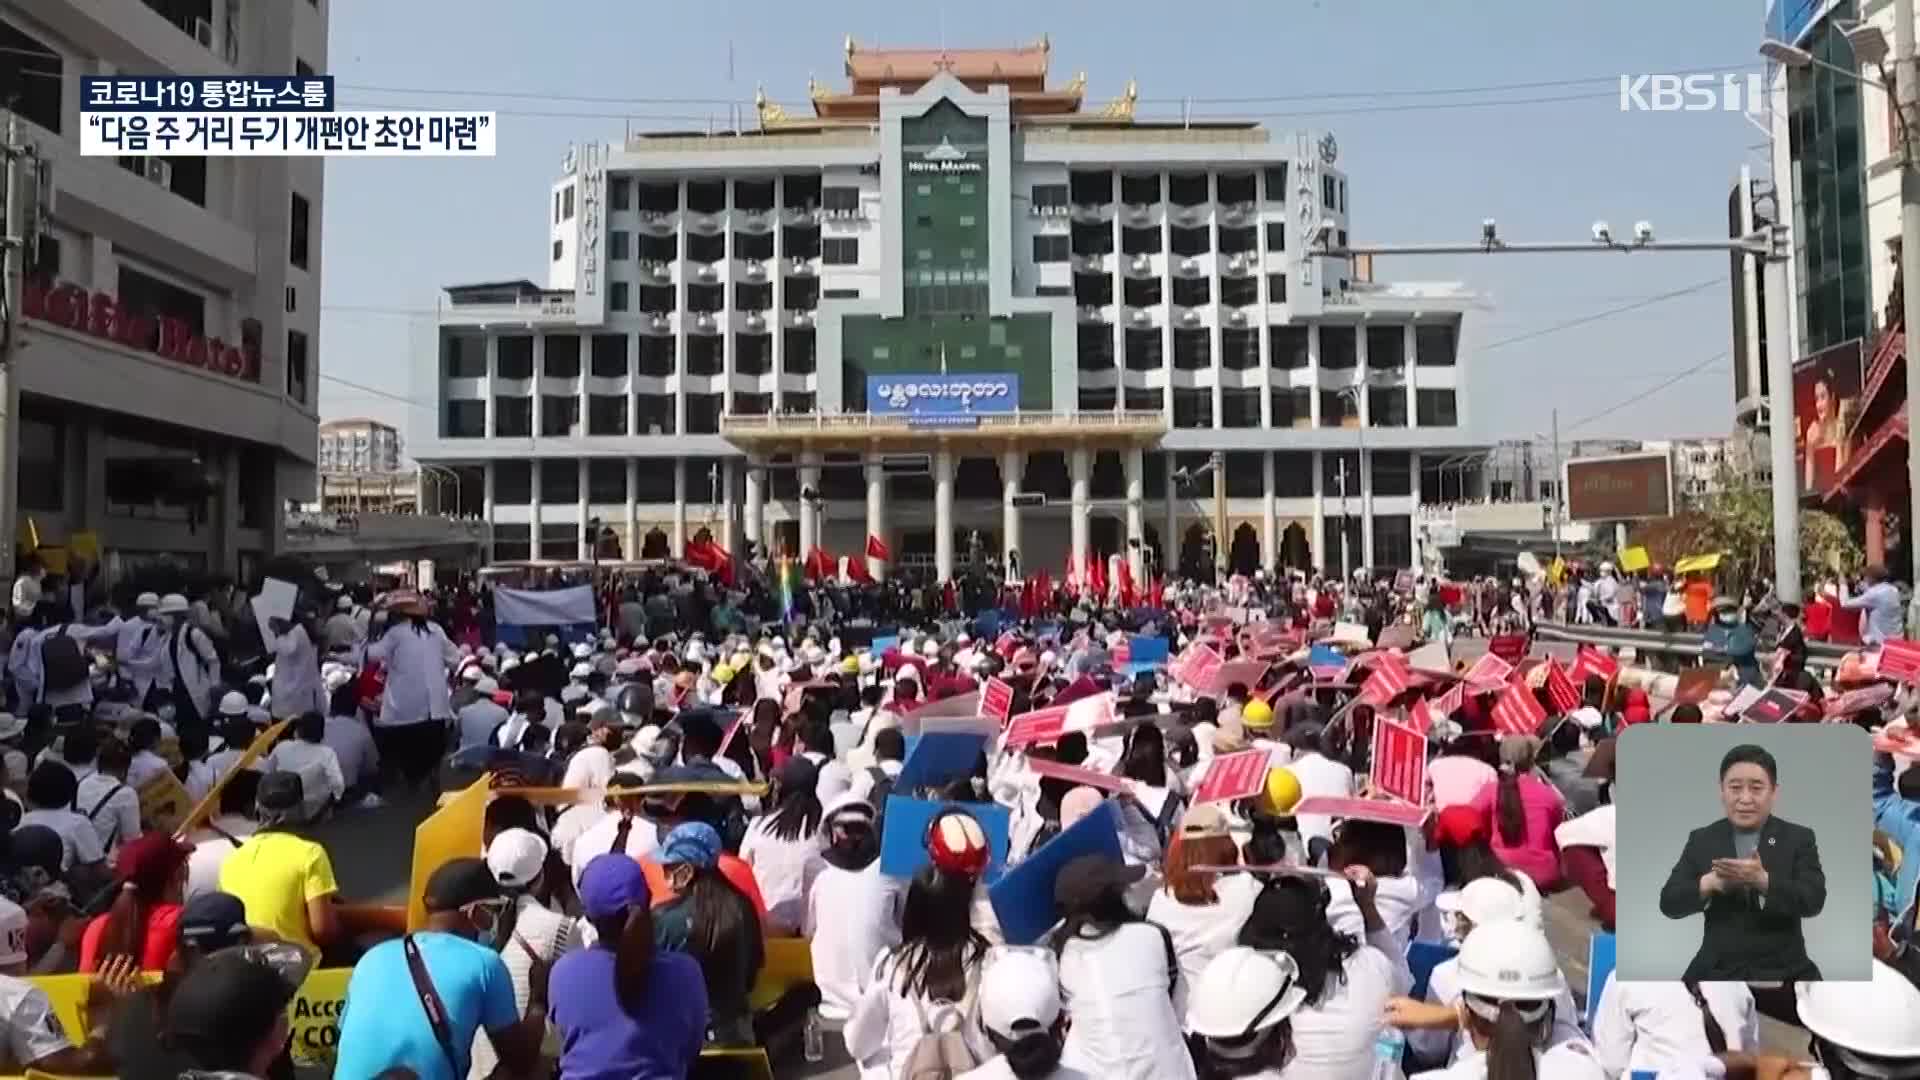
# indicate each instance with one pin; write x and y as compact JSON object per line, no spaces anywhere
{"x":1281,"y":793}
{"x":1257,"y":714}
{"x":722,"y":673}
{"x":851,"y":665}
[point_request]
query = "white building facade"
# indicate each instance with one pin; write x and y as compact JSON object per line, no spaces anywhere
{"x":171,"y":327}
{"x":718,"y":308}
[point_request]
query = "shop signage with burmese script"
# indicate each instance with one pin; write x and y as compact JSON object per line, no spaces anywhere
{"x":944,"y":158}
{"x":104,"y":316}
{"x":1620,"y":487}
{"x":954,"y":397}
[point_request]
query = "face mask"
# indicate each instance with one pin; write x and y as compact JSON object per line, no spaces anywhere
{"x":1729,"y":620}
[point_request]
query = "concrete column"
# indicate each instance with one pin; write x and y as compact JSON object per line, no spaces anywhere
{"x":632,"y":547}
{"x":1013,"y":465}
{"x":943,"y":515}
{"x":876,"y":478}
{"x":533,"y":509}
{"x":1133,"y":461}
{"x":1269,"y":514}
{"x":680,"y":534}
{"x":486,"y":506}
{"x":582,"y":531}
{"x":1365,"y":555}
{"x":756,"y":499}
{"x":810,"y":511}
{"x":492,"y":348}
{"x":727,"y":515}
{"x":1319,"y":537}
{"x":1409,"y":370}
{"x":1413,"y":509}
{"x":1170,"y":535}
{"x":1876,"y":528}
{"x":1080,"y":464}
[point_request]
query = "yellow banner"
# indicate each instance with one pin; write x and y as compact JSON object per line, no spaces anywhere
{"x":54,"y":558}
{"x":1697,"y":564}
{"x":452,"y":832}
{"x":1634,"y":559}
{"x":164,"y":802}
{"x":261,"y":744}
{"x":85,"y":545}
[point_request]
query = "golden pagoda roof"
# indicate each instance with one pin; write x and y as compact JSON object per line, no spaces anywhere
{"x":890,"y":66}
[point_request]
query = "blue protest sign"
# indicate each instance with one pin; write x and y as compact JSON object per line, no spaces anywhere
{"x":1144,"y":650}
{"x":903,"y":839}
{"x":937,"y":757}
{"x":880,"y":645}
{"x":1023,"y":898}
{"x":1600,"y":960}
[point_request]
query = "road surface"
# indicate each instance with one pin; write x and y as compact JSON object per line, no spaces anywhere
{"x":372,"y":854}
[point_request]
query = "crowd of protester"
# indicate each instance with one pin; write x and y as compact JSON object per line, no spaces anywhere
{"x":732,"y":751}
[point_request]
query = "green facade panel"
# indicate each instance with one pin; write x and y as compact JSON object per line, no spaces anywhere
{"x":1021,"y":344}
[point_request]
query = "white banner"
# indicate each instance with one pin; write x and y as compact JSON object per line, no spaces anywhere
{"x":551,"y":607}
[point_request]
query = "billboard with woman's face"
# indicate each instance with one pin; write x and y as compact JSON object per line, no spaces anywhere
{"x":1826,"y":400}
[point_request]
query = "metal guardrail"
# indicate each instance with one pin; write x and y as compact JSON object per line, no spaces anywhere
{"x":1821,"y":655}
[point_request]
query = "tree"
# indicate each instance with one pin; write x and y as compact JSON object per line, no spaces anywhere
{"x":1737,"y":522}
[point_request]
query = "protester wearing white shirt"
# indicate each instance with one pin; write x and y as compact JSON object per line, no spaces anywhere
{"x":591,"y":767}
{"x":50,"y":794}
{"x":1020,"y":1015}
{"x":1241,"y":1011}
{"x":622,"y":830}
{"x":87,"y":637}
{"x":852,"y":909}
{"x":1319,"y":775}
{"x":1203,"y":912}
{"x":1595,"y":828}
{"x":140,"y":647}
{"x":321,"y":780}
{"x":1508,"y":970}
{"x":480,"y":718}
{"x":783,"y":845}
{"x":1651,"y":1026}
{"x":296,"y":687}
{"x":415,"y":707}
{"x":1119,"y":977}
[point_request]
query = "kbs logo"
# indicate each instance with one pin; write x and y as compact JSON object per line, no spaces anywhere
{"x":1693,"y":93}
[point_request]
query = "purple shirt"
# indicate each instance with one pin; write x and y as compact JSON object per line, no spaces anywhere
{"x":601,"y":1041}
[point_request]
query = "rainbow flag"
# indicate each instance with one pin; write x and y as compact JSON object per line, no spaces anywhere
{"x":790,"y":583}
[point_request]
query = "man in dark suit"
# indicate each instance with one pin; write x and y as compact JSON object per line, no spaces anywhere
{"x":1755,"y":876}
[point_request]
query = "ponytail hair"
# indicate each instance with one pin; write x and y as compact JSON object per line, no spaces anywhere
{"x":1510,"y":1046}
{"x":630,"y":935}
{"x":1509,"y":812}
{"x":125,"y":932}
{"x":1033,"y":1054}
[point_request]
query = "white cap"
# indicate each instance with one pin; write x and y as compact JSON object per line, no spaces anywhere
{"x":580,"y":670}
{"x":147,"y":600}
{"x":1242,"y":991}
{"x":1019,"y":992}
{"x":13,"y":933}
{"x":484,"y":685}
{"x":174,"y":604}
{"x":930,"y":647}
{"x":516,"y":857}
{"x":573,"y":692}
{"x":335,"y":676}
{"x":471,"y":673}
{"x":1880,"y":1017}
{"x":233,"y":703}
{"x":509,"y":664}
{"x":1511,"y":962}
{"x":582,"y":650}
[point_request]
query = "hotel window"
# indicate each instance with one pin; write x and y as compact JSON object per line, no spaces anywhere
{"x":1386,"y":406}
{"x":515,"y":356}
{"x":609,"y":356}
{"x":1337,"y":409}
{"x":1292,"y":474}
{"x":1433,"y":346}
{"x":841,"y":200}
{"x":656,"y":356}
{"x":798,"y":357}
{"x":512,"y":483}
{"x":1240,"y":408}
{"x":559,"y":481}
{"x":299,"y":230}
{"x":607,"y":414}
{"x":653,"y":414}
{"x":1049,"y":195}
{"x":513,"y":417}
{"x":1337,"y":347}
{"x":563,"y":356}
{"x":1386,"y":348}
{"x":1098,"y":399}
{"x":1051,"y":248}
{"x":1192,"y":408}
{"x":462,"y":419}
{"x":1287,"y":345}
{"x":31,"y":78}
{"x":1292,"y":407}
{"x":617,"y":299}
{"x":800,"y":403}
{"x":1192,"y":350}
{"x":1392,"y":540}
{"x":43,"y":461}
{"x":1144,"y":399}
{"x":606,"y":481}
{"x":1435,"y":408}
{"x":619,"y":193}
{"x":1392,"y":472}
{"x":566,"y":204}
{"x":1329,"y":196}
{"x":1276,"y":183}
{"x":703,"y":414}
{"x":556,"y":251}
{"x":840,"y":250}
{"x":617,"y":245}
{"x":464,"y":357}
{"x":559,"y":415}
{"x":297,"y":366}
{"x":1276,"y":288}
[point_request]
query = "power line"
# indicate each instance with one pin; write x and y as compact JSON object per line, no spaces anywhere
{"x":1657,"y":298}
{"x":1645,"y":394}
{"x":375,"y":391}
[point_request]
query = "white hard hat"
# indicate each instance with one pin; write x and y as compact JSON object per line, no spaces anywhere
{"x":1880,"y":1017}
{"x":1019,"y":993}
{"x":1484,"y":901}
{"x":174,"y":604}
{"x":1243,"y":991}
{"x":509,"y":664}
{"x":516,"y":857}
{"x":1509,"y":962}
{"x":582,"y":650}
{"x":581,"y":670}
{"x":147,"y":600}
{"x":573,"y":694}
{"x":930,"y":647}
{"x":470,"y":673}
{"x":233,"y":703}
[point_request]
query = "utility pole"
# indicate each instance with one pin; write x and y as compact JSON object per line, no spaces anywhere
{"x":1906,"y":92}
{"x":1346,"y":539}
{"x":1559,"y":487}
{"x":16,"y":160}
{"x":1220,"y":550}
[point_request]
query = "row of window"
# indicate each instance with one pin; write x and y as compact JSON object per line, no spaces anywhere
{"x":802,"y":191}
{"x":1291,"y":406}
{"x":975,"y":478}
{"x":1095,"y":188}
{"x":1287,"y":346}
{"x":1184,"y":241}
{"x":464,"y":356}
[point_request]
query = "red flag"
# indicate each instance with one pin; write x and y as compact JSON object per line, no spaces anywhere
{"x":820,"y":565}
{"x":1560,"y":689}
{"x":877,"y":549}
{"x":711,"y":557}
{"x":1128,"y":597}
{"x":1389,"y":680}
{"x":1518,"y":712}
{"x":857,"y":572}
{"x":1157,"y":595}
{"x":1097,"y":576}
{"x":1589,"y":662}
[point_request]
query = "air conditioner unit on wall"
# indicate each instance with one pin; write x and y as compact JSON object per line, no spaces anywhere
{"x":160,"y":171}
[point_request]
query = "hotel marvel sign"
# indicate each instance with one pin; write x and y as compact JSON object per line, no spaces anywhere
{"x":104,"y":316}
{"x":944,"y":158}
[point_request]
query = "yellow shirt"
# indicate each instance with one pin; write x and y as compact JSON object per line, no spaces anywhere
{"x":274,"y":874}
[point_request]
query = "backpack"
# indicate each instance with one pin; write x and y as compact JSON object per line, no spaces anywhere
{"x":61,"y":660}
{"x":942,"y":1052}
{"x":882,"y":788}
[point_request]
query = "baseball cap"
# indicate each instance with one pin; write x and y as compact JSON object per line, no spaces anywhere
{"x":13,"y":933}
{"x":1020,"y":991}
{"x":1203,"y":821}
{"x":611,"y":884}
{"x":233,"y":703}
{"x":1086,"y":878}
{"x":516,"y":857}
{"x":459,"y":882}
{"x":214,"y":920}
{"x":1459,"y":825}
{"x":228,"y":1003}
{"x":694,"y":842}
{"x":280,"y":792}
{"x":847,"y":804}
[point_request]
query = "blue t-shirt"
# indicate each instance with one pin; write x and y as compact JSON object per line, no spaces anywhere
{"x":383,"y":1023}
{"x":600,"y":1041}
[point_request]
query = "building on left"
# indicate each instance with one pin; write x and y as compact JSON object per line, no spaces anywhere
{"x":171,"y":312}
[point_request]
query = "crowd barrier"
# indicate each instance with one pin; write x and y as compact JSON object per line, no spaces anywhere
{"x":1821,"y":655}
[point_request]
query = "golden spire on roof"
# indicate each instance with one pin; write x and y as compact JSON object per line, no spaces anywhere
{"x":770,"y":112}
{"x":817,"y":90}
{"x":850,"y":46}
{"x":1046,"y":44}
{"x":1121,"y":108}
{"x":1079,"y":83}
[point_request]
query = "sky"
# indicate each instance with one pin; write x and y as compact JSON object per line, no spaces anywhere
{"x":1445,"y":114}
